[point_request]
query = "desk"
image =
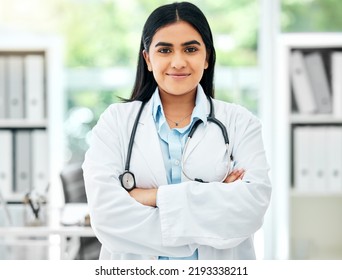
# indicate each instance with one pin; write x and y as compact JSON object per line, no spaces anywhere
{"x":52,"y":235}
{"x":44,"y":231}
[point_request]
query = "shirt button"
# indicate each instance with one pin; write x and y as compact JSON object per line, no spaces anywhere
{"x":176,"y":162}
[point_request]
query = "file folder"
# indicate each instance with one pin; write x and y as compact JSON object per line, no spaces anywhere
{"x":34,"y":87}
{"x":301,"y":85}
{"x":15,"y":87}
{"x":22,"y":181}
{"x":6,"y":162}
{"x":3,"y":105}
{"x":40,"y":166}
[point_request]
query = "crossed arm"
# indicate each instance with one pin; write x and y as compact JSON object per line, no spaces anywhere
{"x":148,"y":197}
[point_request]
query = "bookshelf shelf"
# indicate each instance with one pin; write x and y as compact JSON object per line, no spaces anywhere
{"x":315,"y":119}
{"x":31,"y":115}
{"x":308,"y":148}
{"x":22,"y":124}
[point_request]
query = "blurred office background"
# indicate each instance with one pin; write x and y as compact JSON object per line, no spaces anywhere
{"x":101,"y":42}
{"x":100,"y":45}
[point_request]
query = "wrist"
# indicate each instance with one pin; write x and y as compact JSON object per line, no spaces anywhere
{"x":146,"y":197}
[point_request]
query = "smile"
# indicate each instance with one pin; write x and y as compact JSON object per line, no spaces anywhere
{"x":178,"y":76}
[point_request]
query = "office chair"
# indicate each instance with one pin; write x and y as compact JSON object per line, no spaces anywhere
{"x":73,"y":184}
{"x":74,"y":192}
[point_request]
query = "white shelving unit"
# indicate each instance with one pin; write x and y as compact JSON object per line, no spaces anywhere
{"x":50,"y":49}
{"x":309,"y":223}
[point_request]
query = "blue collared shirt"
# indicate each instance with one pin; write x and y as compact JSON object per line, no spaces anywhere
{"x":172,"y":141}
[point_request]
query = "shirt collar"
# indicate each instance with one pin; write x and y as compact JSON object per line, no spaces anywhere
{"x":157,"y":109}
{"x":200,"y":110}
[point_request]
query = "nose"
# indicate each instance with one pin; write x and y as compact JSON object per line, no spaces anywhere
{"x":178,"y":61}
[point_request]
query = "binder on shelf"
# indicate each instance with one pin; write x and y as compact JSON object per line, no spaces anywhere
{"x":40,"y":170}
{"x":319,"y":82}
{"x":334,"y":159}
{"x":319,"y":158}
{"x":303,"y":171}
{"x":22,"y":146}
{"x":3,"y":107}
{"x":6,"y":162}
{"x":336,"y":72}
{"x":34,"y":87}
{"x":301,"y":85}
{"x":15,"y":87}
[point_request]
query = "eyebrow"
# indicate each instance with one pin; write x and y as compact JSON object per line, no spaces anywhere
{"x":165,"y":44}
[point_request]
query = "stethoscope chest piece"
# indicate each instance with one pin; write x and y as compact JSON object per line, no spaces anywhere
{"x":127,"y":180}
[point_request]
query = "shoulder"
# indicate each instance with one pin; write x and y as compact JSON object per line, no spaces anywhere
{"x":240,"y":122}
{"x":233,"y":111}
{"x":123,"y":108}
{"x":117,"y":116}
{"x":120,"y":111}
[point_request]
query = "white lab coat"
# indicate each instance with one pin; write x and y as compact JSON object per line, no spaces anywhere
{"x":218,"y":219}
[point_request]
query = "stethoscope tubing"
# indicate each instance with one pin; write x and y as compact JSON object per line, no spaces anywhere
{"x":131,"y":140}
{"x":198,"y":179}
{"x":210,"y":118}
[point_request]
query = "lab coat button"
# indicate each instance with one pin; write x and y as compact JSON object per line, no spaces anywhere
{"x":176,"y":162}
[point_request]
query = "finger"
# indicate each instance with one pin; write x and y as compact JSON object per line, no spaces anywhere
{"x":234,"y":175}
{"x":241,"y":175}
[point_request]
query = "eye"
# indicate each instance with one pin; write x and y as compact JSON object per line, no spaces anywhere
{"x":191,"y":49}
{"x":164,"y":50}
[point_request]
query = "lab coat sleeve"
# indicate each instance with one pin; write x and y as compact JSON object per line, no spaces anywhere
{"x":217,"y":214}
{"x":120,"y":223}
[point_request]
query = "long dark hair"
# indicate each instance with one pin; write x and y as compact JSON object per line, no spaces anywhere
{"x":145,"y":83}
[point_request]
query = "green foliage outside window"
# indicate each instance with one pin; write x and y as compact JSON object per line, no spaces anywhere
{"x":311,"y":15}
{"x":107,"y":33}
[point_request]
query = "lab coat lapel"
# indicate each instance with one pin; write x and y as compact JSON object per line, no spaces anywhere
{"x":195,"y":140}
{"x":149,"y":146}
{"x":197,"y":136}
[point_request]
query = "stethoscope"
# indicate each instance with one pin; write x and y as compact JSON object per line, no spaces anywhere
{"x":127,"y":178}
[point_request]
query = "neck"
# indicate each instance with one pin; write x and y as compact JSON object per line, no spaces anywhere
{"x":178,"y":104}
{"x":178,"y":108}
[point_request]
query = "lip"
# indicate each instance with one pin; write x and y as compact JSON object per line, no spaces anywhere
{"x":178,"y":75}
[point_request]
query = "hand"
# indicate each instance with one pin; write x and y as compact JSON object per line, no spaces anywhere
{"x":234,"y":175}
{"x":147,"y":197}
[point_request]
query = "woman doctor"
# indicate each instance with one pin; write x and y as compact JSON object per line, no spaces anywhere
{"x":167,"y":196}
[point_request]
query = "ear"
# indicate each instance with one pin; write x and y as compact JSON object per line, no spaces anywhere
{"x":206,"y":64}
{"x":147,"y":60}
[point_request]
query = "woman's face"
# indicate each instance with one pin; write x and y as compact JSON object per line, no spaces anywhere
{"x":177,"y":57}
